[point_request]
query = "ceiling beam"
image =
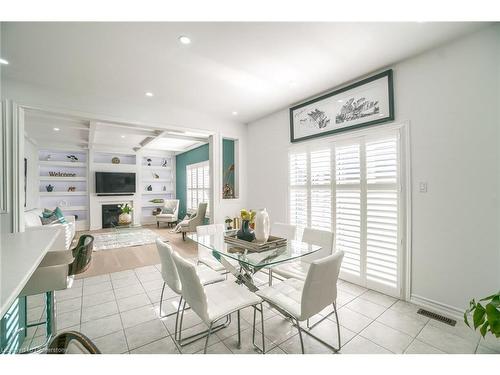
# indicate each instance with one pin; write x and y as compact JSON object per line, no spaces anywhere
{"x":185,"y":137}
{"x":148,"y":140}
{"x":92,"y":127}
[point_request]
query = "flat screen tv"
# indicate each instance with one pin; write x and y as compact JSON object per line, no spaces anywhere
{"x":111,"y":183}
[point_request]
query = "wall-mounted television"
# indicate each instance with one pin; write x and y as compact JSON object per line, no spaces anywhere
{"x":111,"y":183}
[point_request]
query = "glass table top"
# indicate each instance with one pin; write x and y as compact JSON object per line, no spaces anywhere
{"x":292,"y":250}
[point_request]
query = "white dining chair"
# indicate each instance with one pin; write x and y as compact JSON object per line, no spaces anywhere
{"x":301,"y":300}
{"x":204,"y":254}
{"x":282,"y":230}
{"x":299,"y":268}
{"x":216,"y":301}
{"x":171,"y":279}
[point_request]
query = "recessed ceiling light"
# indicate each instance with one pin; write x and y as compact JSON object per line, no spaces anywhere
{"x":339,"y":101}
{"x":149,"y":94}
{"x":4,"y":62}
{"x":123,"y":136}
{"x":184,"y":39}
{"x":56,"y":129}
{"x":234,"y":113}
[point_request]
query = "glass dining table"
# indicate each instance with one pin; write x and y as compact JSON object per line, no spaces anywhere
{"x":243,"y":263}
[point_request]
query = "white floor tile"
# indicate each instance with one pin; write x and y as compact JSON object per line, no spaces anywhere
{"x":69,"y":305}
{"x":125,"y":282}
{"x":115,"y":343}
{"x":35,"y":314}
{"x":68,"y":319}
{"x":446,"y":341}
{"x":246,"y":342}
{"x":350,"y":288}
{"x":145,"y":333}
{"x":366,"y":308}
{"x":352,"y":320}
{"x":140,"y":315}
{"x":121,"y":275}
{"x":378,"y":298}
{"x":97,"y":288}
{"x":99,"y":298}
{"x":460,"y":329}
{"x":419,"y":347}
{"x":145,"y":270}
{"x":102,"y":327}
{"x":133,"y":302}
{"x":155,"y":284}
{"x":387,"y":337}
{"x":409,"y":324}
{"x":99,"y":311}
{"x":311,"y":346}
{"x":69,"y":293}
{"x":129,"y":291}
{"x":218,"y":348}
{"x":360,"y":345}
{"x":95,"y":280}
{"x":491,"y":342}
{"x":405,"y":307}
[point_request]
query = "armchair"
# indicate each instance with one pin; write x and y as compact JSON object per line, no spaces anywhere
{"x":65,"y":236}
{"x":171,"y":205}
{"x":195,"y":220}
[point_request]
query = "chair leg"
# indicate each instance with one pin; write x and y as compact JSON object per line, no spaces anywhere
{"x":184,"y":236}
{"x":161,"y":300}
{"x":177,"y":318}
{"x":51,"y":327}
{"x":300,"y":336}
{"x":157,"y":224}
{"x":182,"y":318}
{"x":262,"y":328}
{"x":239,"y":330}
{"x":338,"y":323}
{"x":270,"y":277}
{"x":208,"y":337}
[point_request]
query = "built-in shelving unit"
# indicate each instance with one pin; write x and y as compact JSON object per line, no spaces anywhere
{"x":157,"y":172}
{"x":71,"y":202}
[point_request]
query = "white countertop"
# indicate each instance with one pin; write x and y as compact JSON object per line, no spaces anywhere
{"x":21,"y":253}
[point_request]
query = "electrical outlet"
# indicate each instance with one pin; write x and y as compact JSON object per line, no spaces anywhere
{"x":422,"y":187}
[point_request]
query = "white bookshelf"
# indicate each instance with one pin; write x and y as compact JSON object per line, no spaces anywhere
{"x":162,"y":181}
{"x":71,"y":202}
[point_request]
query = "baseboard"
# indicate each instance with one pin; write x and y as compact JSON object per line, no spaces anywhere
{"x":437,"y":307}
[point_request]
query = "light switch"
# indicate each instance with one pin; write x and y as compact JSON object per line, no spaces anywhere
{"x":422,"y":187}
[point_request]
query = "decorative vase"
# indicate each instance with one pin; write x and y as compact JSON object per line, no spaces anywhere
{"x":124,"y":219}
{"x":49,"y":188}
{"x":245,"y":233}
{"x":262,"y":225}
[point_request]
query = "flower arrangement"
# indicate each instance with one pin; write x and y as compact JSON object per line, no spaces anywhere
{"x":247,"y":215}
{"x":125,"y":208}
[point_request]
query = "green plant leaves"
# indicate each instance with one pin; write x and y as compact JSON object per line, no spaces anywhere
{"x":478,"y":316}
{"x":486,"y":318}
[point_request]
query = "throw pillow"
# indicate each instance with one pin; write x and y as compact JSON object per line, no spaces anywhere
{"x":49,"y":220}
{"x":60,"y":215}
{"x":48,"y":214}
{"x":167,"y":210}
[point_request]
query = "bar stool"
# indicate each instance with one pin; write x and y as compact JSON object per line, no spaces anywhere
{"x":56,"y":272}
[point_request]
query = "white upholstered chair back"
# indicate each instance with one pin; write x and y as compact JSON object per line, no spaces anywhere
{"x":284,"y":231}
{"x":318,"y":237}
{"x":192,"y":288}
{"x":168,"y":269}
{"x":320,"y":286}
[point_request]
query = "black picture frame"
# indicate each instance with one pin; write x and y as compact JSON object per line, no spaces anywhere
{"x":390,"y":98}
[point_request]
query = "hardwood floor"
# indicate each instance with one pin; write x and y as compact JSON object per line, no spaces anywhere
{"x":114,"y":260}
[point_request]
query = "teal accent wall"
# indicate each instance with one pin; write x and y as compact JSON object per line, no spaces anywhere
{"x":196,"y":155}
{"x":228,"y":159}
{"x":15,"y":318}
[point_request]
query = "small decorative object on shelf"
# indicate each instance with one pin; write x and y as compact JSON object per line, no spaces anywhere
{"x":164,"y":163}
{"x":62,"y":174}
{"x":246,"y":233}
{"x":72,"y":188}
{"x":149,"y":161}
{"x":49,"y":188}
{"x":149,"y":188}
{"x":115,"y":160}
{"x":157,"y":200}
{"x":156,"y":176}
{"x":227,"y":189}
{"x":228,"y":222}
{"x":164,"y":188}
{"x":125,"y":216}
{"x":262,"y":225}
{"x":63,"y":203}
{"x":156,"y":211}
{"x":49,"y":156}
{"x":76,"y":216}
{"x":72,"y":158}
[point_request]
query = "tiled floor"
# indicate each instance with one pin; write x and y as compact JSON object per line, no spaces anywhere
{"x":120,"y":313}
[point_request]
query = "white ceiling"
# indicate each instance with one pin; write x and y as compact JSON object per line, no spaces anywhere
{"x":56,"y":130}
{"x":251,"y":68}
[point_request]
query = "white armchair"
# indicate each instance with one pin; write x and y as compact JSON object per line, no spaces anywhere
{"x":65,"y":236}
{"x":171,"y":216}
{"x":198,"y":219}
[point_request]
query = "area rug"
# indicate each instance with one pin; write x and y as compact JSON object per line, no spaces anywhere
{"x":124,"y":238}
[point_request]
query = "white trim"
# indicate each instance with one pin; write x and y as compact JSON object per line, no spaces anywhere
{"x":437,"y":307}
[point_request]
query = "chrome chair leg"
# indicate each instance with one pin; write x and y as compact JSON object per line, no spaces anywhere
{"x":270,"y":277}
{"x":263,"y":349}
{"x":300,"y":336}
{"x":177,"y":318}
{"x":208,"y":337}
{"x":239,"y":330}
{"x":161,"y":299}
{"x":338,"y":323}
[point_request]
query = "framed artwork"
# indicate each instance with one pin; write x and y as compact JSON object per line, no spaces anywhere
{"x":363,"y":103}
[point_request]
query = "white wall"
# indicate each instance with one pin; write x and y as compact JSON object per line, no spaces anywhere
{"x":31,"y":154}
{"x":151,"y":114}
{"x":450,"y":95}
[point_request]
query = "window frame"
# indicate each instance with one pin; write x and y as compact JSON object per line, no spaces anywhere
{"x":205,"y":190}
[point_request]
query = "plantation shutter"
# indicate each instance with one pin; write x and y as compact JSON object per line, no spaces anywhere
{"x":353,"y":188}
{"x":382,"y":212}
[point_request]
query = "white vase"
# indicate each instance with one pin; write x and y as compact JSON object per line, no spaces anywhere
{"x":124,"y":218}
{"x":262,"y":225}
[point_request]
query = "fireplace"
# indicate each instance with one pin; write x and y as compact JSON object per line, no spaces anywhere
{"x":110,"y":213}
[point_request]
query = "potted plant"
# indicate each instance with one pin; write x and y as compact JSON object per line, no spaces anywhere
{"x":125,"y":215}
{"x":485,"y":315}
